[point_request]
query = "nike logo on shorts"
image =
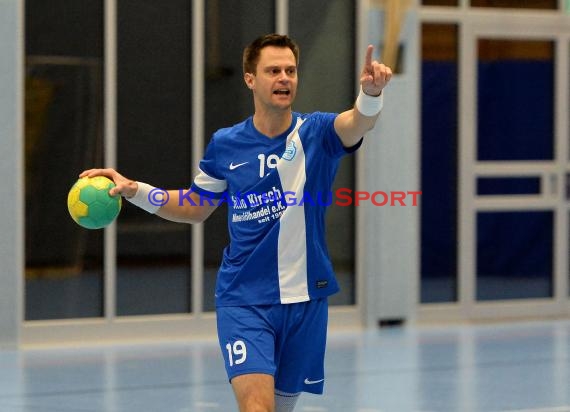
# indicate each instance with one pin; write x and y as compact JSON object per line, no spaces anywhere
{"x":310,"y":382}
{"x":232,"y":166}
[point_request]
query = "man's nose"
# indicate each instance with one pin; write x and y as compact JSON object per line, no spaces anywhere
{"x":283,"y":76}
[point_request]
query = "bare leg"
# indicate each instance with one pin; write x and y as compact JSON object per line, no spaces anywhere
{"x":254,"y":392}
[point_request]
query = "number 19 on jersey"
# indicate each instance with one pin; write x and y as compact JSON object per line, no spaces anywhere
{"x":237,"y":353}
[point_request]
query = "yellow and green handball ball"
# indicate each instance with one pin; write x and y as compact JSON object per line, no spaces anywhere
{"x":90,"y":204}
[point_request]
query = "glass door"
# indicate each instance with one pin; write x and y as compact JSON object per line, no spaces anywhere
{"x":513,"y":205}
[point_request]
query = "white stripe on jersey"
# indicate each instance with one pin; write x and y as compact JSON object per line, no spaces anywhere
{"x":210,"y":183}
{"x":292,"y":242}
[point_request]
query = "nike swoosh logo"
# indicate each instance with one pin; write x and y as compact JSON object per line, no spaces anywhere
{"x":309,"y":382}
{"x":232,"y":166}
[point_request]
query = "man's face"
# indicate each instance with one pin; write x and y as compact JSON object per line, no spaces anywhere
{"x":274,"y":84}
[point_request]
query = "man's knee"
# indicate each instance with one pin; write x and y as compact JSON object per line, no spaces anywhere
{"x":254,"y":392}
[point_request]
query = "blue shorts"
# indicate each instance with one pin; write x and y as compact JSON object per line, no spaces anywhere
{"x":286,"y":341}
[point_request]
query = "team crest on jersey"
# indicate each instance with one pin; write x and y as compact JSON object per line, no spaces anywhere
{"x":290,"y":151}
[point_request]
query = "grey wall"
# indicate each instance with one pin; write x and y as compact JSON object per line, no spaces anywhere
{"x":11,"y":182}
{"x":389,"y":246}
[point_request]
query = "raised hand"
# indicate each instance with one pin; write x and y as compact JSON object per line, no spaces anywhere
{"x":374,"y":76}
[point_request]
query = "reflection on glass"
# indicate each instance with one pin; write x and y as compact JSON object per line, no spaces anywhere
{"x":439,"y":135}
{"x":505,"y":131}
{"x":153,"y":273}
{"x":63,"y":124}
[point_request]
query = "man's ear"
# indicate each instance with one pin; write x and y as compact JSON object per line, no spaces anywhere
{"x":249,"y":80}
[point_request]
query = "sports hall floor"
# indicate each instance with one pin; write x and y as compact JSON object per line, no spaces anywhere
{"x":458,"y":368}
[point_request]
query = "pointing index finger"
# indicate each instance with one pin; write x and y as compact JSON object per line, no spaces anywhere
{"x":368,"y":58}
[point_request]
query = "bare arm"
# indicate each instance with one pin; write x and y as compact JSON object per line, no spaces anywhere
{"x":351,"y":125}
{"x":178,"y":207}
{"x":184,"y":210}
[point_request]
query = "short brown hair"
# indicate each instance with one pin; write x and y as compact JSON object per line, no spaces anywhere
{"x":251,"y":53}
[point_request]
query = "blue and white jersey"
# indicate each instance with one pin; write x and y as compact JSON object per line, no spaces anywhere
{"x":276,"y":189}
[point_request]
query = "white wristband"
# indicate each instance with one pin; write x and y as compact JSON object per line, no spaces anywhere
{"x":369,"y":105}
{"x":148,"y":197}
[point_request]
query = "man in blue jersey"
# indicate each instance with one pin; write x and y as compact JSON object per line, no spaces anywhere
{"x":276,"y":275}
